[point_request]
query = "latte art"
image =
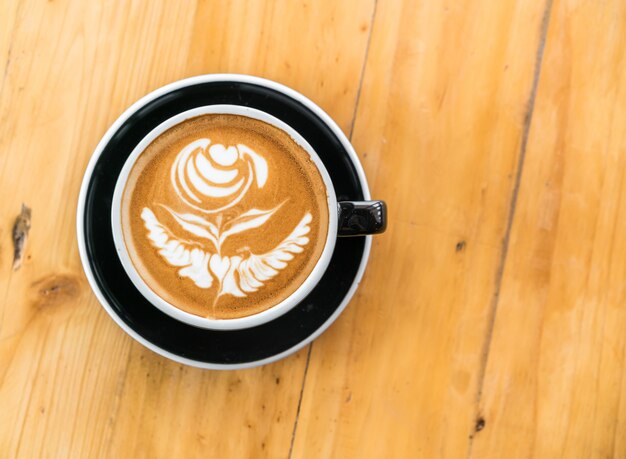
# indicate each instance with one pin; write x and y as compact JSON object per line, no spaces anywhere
{"x":236,"y":275}
{"x":205,"y":175}
{"x":197,"y":176}
{"x":224,"y":216}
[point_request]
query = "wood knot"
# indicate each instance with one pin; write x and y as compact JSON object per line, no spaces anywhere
{"x":19,"y":234}
{"x":56,"y":289}
{"x":480,"y":424}
{"x":460,"y":246}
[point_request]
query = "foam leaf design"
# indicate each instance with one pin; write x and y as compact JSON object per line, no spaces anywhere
{"x":235,"y":275}
{"x":193,"y":262}
{"x":246,"y":221}
{"x":255,"y":270}
{"x":191,"y":218}
{"x":196,"y":225}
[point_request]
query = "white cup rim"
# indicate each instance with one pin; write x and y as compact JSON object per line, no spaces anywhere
{"x":241,"y":322}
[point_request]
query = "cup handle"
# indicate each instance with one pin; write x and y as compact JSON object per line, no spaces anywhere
{"x":360,"y":218}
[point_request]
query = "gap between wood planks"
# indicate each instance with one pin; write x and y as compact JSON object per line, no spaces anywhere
{"x":352,"y":123}
{"x":479,"y":421}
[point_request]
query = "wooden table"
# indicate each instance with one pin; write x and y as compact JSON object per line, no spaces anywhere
{"x":491,"y":321}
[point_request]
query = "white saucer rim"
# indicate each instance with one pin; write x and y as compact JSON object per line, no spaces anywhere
{"x":209,"y":78}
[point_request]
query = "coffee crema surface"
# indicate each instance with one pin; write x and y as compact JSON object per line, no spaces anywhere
{"x":224,"y":216}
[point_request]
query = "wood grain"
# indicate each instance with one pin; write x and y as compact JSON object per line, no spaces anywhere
{"x":72,"y":384}
{"x":490,"y":320}
{"x":554,"y":380}
{"x":10,"y":16}
{"x":317,"y":48}
{"x":439,"y":125}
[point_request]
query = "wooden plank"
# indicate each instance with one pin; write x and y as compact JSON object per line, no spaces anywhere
{"x":8,"y":25}
{"x":74,"y":67}
{"x":71,"y":382}
{"x":555,"y":374}
{"x":317,"y":47}
{"x":439,"y":127}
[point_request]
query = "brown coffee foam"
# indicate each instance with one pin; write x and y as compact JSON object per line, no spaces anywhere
{"x":292,"y":177}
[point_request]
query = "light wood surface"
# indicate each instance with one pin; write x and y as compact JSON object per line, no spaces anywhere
{"x":490,"y":322}
{"x":557,"y":356}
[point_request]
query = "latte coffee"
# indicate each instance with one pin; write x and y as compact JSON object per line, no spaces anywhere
{"x":224,"y":216}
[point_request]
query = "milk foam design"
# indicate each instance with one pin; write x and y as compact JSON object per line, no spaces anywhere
{"x":198,"y":182}
{"x":210,"y":179}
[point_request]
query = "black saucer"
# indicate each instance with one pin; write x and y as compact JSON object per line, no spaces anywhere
{"x":182,"y":342}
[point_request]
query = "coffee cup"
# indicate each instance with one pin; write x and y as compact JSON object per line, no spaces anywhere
{"x":214,"y":185}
